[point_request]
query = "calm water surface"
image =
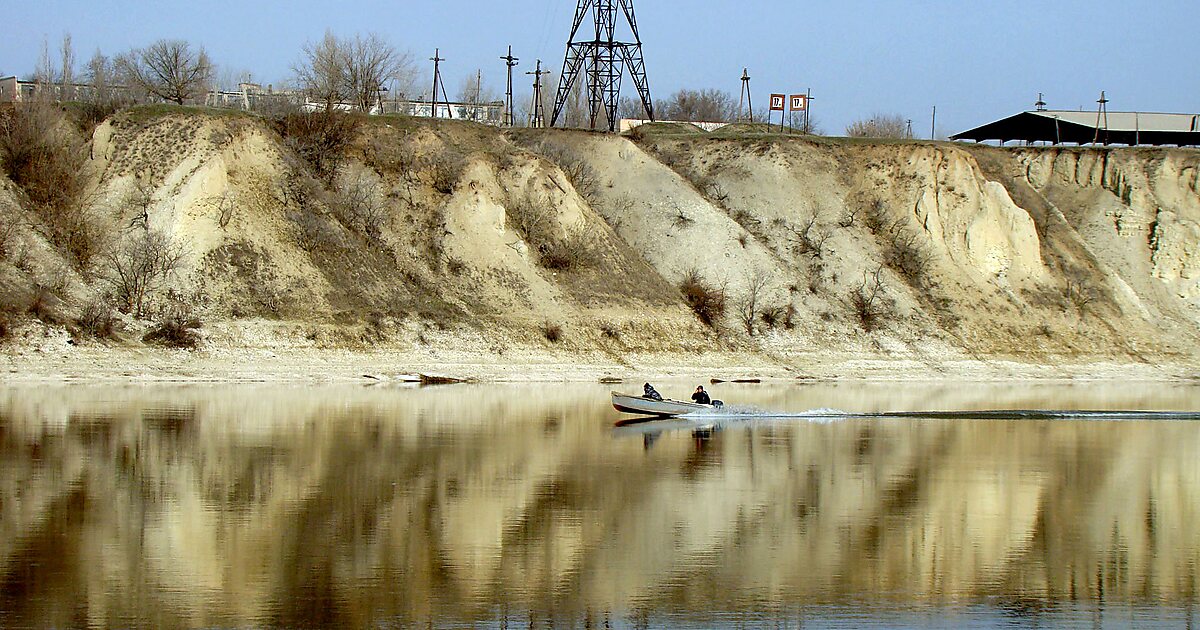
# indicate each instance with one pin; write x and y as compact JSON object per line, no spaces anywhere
{"x":523,"y":506}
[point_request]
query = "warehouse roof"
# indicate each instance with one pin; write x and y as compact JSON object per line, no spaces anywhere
{"x":1060,"y":126}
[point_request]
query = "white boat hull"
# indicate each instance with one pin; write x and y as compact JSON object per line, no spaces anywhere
{"x":643,"y":406}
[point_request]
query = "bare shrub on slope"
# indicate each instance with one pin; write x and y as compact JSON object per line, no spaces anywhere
{"x":708,"y":302}
{"x":902,"y":244}
{"x":537,"y":224}
{"x":358,"y":205}
{"x":319,"y":138}
{"x":750,"y":306}
{"x":99,"y":320}
{"x":139,"y":266}
{"x":176,"y":329}
{"x":584,"y":178}
{"x":808,"y":238}
{"x":869,"y":303}
{"x":45,"y":158}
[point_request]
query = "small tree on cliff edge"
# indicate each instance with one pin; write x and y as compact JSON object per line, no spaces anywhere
{"x":699,"y":106}
{"x":879,"y":126}
{"x":168,"y":69}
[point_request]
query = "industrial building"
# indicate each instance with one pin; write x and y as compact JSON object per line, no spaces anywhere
{"x":1080,"y":127}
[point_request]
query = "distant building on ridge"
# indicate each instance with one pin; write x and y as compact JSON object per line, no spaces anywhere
{"x":1082,"y":127}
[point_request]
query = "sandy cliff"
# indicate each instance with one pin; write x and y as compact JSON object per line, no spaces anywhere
{"x":457,"y":243}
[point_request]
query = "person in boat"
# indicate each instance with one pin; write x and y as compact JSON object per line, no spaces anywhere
{"x":648,"y":391}
{"x":701,"y":396}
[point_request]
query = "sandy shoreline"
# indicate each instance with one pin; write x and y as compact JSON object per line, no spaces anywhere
{"x":98,"y":363}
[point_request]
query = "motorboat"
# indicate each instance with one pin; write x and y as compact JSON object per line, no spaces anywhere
{"x":665,"y":408}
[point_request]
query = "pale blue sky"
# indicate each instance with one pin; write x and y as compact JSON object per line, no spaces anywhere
{"x":976,"y":60}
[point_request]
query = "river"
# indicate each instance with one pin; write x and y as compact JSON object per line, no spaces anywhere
{"x":523,"y":505}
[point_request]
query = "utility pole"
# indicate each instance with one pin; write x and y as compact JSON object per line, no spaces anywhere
{"x":437,"y":80}
{"x":1102,"y":112}
{"x":746,"y":98}
{"x":603,"y":59}
{"x":808,"y":99}
{"x":477,"y":102}
{"x":537,"y":118}
{"x":909,"y":132}
{"x":933,"y":125}
{"x":511,"y":62}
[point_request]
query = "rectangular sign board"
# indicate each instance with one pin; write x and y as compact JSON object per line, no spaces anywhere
{"x":799,"y":102}
{"x":778,"y":102}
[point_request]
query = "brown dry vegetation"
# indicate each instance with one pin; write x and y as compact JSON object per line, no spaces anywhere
{"x":46,"y":158}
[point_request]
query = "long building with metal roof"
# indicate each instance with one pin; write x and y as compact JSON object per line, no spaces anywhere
{"x":1059,"y":127}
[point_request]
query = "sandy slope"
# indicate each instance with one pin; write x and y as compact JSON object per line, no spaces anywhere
{"x":417,"y":255}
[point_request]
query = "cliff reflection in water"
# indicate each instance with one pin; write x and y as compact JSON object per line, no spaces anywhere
{"x":275,"y":505}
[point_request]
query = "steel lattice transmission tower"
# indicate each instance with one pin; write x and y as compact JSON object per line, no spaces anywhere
{"x":603,"y":59}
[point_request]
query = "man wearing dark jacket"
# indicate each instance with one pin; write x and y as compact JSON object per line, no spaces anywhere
{"x":648,"y":391}
{"x":701,"y":396}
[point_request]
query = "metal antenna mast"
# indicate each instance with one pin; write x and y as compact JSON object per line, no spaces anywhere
{"x":604,"y":60}
{"x":511,"y":62}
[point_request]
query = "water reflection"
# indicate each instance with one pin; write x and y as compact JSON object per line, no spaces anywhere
{"x":220,"y":506}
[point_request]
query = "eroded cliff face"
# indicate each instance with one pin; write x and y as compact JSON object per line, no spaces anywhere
{"x":927,"y":252}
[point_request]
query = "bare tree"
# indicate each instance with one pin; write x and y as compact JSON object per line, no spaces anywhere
{"x":139,"y":267}
{"x":43,"y":73}
{"x":751,"y":303}
{"x":630,"y":107}
{"x":320,"y":71}
{"x":230,"y":79}
{"x":168,"y":69}
{"x":475,"y":95}
{"x":869,"y":301}
{"x":370,"y":62}
{"x":337,"y":70}
{"x":100,"y":77}
{"x":699,"y":106}
{"x":66,"y":76}
{"x":575,"y":112}
{"x":803,"y":124}
{"x":879,"y":126}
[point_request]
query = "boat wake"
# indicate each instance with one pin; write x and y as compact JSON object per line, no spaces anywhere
{"x":749,"y":417}
{"x":825,"y":414}
{"x":749,"y":412}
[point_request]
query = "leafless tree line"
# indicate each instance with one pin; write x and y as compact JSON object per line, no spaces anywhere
{"x":167,"y":70}
{"x":352,"y":70}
